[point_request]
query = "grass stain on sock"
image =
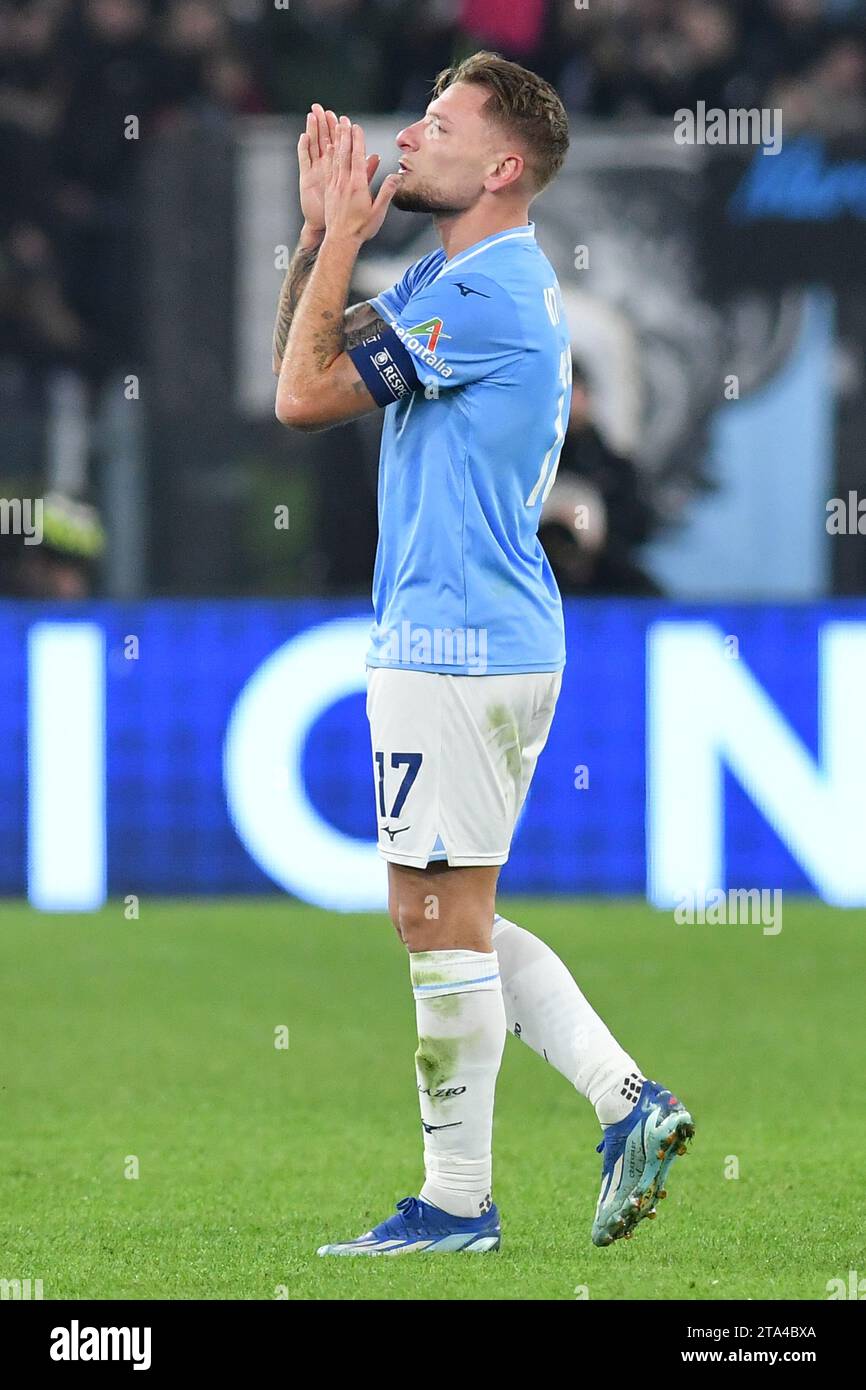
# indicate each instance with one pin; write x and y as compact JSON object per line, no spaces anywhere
{"x":446,"y":1005}
{"x":436,"y":1060}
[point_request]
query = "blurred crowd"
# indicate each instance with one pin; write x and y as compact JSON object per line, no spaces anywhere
{"x":73,"y":71}
{"x":84,"y":83}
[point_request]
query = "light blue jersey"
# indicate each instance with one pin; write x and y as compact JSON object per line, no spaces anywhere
{"x":475,"y":371}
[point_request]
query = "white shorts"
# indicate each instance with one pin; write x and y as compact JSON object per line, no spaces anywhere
{"x":453,"y":757}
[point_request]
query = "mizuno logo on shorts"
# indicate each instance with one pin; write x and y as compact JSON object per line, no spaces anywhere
{"x":394,"y":833}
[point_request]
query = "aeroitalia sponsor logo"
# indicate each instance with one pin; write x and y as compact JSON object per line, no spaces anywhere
{"x":433,"y":330}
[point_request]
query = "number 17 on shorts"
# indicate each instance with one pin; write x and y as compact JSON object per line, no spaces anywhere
{"x":453,"y":757}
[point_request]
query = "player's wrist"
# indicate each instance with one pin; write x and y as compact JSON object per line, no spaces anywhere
{"x":344,"y":240}
{"x":311,"y":237}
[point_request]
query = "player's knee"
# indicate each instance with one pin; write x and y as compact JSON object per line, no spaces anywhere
{"x":394,"y":913}
{"x":411,"y":923}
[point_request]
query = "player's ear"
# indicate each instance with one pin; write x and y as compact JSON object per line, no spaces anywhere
{"x":506,"y":173}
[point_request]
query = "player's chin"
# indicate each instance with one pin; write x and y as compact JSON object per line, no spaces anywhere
{"x":419,"y":200}
{"x":407,"y":201}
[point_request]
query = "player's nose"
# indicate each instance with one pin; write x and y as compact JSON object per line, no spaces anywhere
{"x":409,"y":137}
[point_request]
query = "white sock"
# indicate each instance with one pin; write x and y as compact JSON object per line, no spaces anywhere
{"x":545,"y":1008}
{"x":461,"y":1038}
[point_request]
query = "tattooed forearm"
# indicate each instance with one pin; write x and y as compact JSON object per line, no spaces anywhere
{"x":362,"y":322}
{"x":333,"y":337}
{"x":328,"y":340}
{"x":297,"y":276}
{"x":318,"y":384}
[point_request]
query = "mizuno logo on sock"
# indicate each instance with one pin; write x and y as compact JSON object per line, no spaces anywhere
{"x":428,"y":1129}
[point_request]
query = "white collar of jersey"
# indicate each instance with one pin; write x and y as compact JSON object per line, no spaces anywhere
{"x":527,"y":233}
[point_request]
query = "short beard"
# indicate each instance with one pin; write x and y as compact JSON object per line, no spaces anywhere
{"x":422,"y":200}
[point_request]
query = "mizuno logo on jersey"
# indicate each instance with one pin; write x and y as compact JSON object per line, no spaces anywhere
{"x":466,"y":290}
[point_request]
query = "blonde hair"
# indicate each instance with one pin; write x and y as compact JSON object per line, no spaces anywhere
{"x":523,"y":104}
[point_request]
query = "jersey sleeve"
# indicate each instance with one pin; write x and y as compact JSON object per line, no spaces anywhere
{"x":392,"y":301}
{"x":449,"y":334}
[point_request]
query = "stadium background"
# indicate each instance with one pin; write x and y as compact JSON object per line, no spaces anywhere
{"x":716,"y":297}
{"x":185,"y":793}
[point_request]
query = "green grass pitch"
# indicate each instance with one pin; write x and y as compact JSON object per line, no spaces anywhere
{"x":154,"y":1040}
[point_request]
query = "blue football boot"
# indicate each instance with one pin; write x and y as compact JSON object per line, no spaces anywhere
{"x":638,"y":1152}
{"x":419,"y":1228}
